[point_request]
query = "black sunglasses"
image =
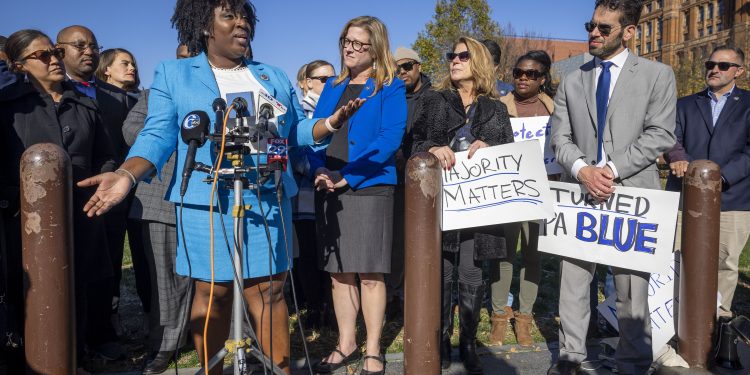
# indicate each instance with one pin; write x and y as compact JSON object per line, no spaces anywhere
{"x":531,"y":74}
{"x":463,"y":56}
{"x":407,"y":66}
{"x":45,"y":56}
{"x":604,"y":29}
{"x":723,"y":65}
{"x":322,"y":79}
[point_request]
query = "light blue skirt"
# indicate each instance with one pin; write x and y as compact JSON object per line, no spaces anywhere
{"x":262,"y":256}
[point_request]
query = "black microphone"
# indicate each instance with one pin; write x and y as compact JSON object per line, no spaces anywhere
{"x":220,"y":107}
{"x":266,"y":111}
{"x":193,"y":130}
{"x":240,"y":106}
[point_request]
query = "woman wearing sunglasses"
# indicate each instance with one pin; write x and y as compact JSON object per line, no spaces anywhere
{"x":317,"y":74}
{"x":464,"y":113}
{"x":355,"y":177}
{"x":531,"y":96}
{"x":44,"y":108}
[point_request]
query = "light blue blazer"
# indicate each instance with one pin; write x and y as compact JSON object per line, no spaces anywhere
{"x":375,"y":132}
{"x":182,"y":86}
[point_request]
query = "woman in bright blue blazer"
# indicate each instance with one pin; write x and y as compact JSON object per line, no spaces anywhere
{"x":218,"y":69}
{"x":355,"y":176}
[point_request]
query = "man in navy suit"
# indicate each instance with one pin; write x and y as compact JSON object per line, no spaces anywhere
{"x":714,"y":124}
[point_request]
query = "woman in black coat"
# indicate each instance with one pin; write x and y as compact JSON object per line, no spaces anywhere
{"x":43,"y":108}
{"x":464,"y":113}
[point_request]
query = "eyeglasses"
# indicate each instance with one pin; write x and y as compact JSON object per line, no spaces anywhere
{"x":531,"y":74}
{"x":723,"y":65}
{"x":604,"y":29}
{"x":45,"y":56}
{"x":407,"y":66}
{"x":81,"y":46}
{"x":462,"y":56}
{"x":322,"y":79}
{"x":356,"y":45}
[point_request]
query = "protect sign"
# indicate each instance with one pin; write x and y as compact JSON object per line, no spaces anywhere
{"x":634,"y":229}
{"x":528,"y":128}
{"x":500,"y":184}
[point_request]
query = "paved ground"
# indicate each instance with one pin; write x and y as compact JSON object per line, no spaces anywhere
{"x":512,"y":360}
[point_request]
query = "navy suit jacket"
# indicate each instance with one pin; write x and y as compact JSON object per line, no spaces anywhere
{"x":727,"y":144}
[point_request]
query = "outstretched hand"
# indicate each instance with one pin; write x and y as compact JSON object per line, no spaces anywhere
{"x":342,"y":114}
{"x":113,"y":188}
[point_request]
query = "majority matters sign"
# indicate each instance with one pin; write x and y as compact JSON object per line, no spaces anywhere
{"x":634,"y":229}
{"x":500,"y":184}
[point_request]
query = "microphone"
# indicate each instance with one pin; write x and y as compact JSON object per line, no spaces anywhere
{"x":220,"y":107}
{"x":240,"y":106}
{"x":194,"y":130}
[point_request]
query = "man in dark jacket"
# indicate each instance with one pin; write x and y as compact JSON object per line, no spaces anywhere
{"x":714,"y":124}
{"x":409,"y":70}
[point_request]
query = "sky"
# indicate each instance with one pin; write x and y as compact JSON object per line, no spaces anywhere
{"x":289,"y":33}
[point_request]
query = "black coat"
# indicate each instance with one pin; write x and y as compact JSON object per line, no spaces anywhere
{"x":27,"y":118}
{"x":114,"y":105}
{"x":441,"y":116}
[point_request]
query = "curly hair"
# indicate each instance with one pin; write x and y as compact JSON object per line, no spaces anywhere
{"x":631,"y":10}
{"x":192,"y":17}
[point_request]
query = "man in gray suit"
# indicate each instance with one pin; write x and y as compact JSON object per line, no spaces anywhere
{"x":613,"y":117}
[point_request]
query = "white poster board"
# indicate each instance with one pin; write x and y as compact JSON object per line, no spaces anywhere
{"x":500,"y":184}
{"x":634,"y":229}
{"x":537,"y":127}
{"x":662,"y":306}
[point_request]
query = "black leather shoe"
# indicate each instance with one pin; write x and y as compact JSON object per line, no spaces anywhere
{"x":324,"y":367}
{"x":159,"y":364}
{"x":564,"y":368}
{"x":377,"y":358}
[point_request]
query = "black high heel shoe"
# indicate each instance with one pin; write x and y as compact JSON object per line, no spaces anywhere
{"x":324,"y":367}
{"x":381,"y":359}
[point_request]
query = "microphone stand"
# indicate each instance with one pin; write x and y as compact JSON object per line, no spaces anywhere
{"x":239,"y":345}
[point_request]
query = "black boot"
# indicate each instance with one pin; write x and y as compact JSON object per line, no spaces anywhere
{"x":447,"y":325}
{"x":470,"y":302}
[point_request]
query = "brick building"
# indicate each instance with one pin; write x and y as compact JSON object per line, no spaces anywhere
{"x":674,"y":30}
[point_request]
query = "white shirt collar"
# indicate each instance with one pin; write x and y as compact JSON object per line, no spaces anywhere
{"x":618,"y":60}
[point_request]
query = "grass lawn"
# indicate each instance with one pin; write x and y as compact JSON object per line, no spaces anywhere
{"x":322,"y":342}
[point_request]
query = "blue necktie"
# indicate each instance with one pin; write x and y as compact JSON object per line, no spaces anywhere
{"x":602,"y":97}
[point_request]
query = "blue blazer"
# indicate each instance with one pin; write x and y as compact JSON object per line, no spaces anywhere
{"x":375,"y":132}
{"x":182,"y":86}
{"x":727,"y":144}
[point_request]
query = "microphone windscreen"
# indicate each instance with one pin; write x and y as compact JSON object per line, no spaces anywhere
{"x":194,"y":127}
{"x":219,"y":104}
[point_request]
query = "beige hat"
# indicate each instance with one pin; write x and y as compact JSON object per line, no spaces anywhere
{"x":406,"y":53}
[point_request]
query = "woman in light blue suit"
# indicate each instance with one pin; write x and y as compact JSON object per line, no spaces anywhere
{"x":219,"y":32}
{"x":355,"y":177}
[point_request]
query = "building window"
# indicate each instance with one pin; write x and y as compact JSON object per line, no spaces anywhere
{"x":658,"y":44}
{"x":659,"y":26}
{"x":686,"y":22}
{"x":710,"y":7}
{"x":701,"y":14}
{"x":648,"y":8}
{"x":638,"y":49}
{"x":718,"y":27}
{"x":710,"y":30}
{"x":701,"y":33}
{"x":648,"y":47}
{"x":720,"y":6}
{"x":649,"y":29}
{"x":638,"y":33}
{"x":661,"y":4}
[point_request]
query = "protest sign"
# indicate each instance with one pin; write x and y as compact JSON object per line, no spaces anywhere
{"x":500,"y":184}
{"x":662,"y":306}
{"x":634,"y":229}
{"x":537,"y":127}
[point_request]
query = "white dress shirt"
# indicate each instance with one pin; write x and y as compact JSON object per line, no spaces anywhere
{"x":618,"y":61}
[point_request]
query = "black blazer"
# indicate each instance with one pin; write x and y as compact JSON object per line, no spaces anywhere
{"x":440,"y":117}
{"x":727,"y":144}
{"x":27,"y":118}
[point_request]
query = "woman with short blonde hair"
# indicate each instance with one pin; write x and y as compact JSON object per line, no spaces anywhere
{"x":355,"y":177}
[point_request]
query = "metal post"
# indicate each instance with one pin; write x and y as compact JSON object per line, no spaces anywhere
{"x":47,"y":237}
{"x":699,"y":265}
{"x":238,"y":304}
{"x":423,"y":264}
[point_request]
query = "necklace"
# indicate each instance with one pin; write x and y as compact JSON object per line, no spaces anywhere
{"x":239,"y":66}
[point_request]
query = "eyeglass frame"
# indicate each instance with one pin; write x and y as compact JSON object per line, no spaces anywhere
{"x":404,"y":66}
{"x":452,"y":56}
{"x":344,"y":41}
{"x":81,"y":47}
{"x":322,"y":79}
{"x":46,"y":60}
{"x":728,"y":64}
{"x":590,"y":26}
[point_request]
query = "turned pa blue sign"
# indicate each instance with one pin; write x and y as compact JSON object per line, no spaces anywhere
{"x":634,"y":229}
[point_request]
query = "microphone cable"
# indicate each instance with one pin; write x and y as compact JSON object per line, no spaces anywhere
{"x":189,"y":288}
{"x":279,"y":194}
